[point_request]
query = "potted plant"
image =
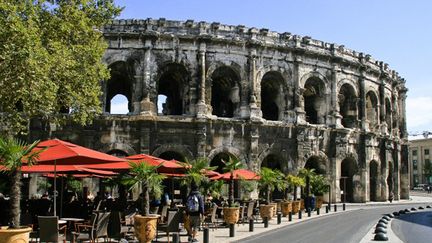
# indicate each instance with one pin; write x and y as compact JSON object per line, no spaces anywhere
{"x":267,"y":184}
{"x":293,"y":182}
{"x":146,"y":176}
{"x":232,"y":212}
{"x":13,"y":153}
{"x":319,"y":186}
{"x":307,"y":175}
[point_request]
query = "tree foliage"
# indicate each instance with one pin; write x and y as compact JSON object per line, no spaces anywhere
{"x":50,"y":60}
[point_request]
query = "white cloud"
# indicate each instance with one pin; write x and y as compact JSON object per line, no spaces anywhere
{"x":419,"y":114}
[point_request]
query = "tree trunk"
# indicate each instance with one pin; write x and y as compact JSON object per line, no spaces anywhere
{"x":15,"y":197}
{"x":146,"y":200}
{"x":268,"y":195}
{"x":295,"y":193}
{"x":307,"y":186}
{"x":231,"y":191}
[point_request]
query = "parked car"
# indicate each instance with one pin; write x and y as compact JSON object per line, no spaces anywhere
{"x":421,"y":187}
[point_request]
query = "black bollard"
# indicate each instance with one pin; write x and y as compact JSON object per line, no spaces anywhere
{"x":318,"y":211}
{"x":290,"y":216}
{"x":300,"y":214}
{"x":279,"y":218}
{"x":327,"y":209}
{"x":251,"y":225}
{"x":309,"y":212}
{"x":232,"y":232}
{"x":206,"y":235}
{"x":265,"y":222}
{"x":175,"y":238}
{"x":335,"y":208}
{"x":343,"y":207}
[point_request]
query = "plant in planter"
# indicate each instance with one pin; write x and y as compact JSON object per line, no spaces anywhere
{"x":308,"y":175}
{"x":146,"y":176}
{"x":268,"y":182}
{"x":231,"y":213}
{"x":293,"y":182}
{"x":13,"y":154}
{"x":319,"y":186}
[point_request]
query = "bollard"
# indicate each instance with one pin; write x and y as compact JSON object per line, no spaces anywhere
{"x":300,"y":214}
{"x":318,"y":211}
{"x":231,"y":230}
{"x":309,"y":212}
{"x":265,"y":222}
{"x":206,"y":235}
{"x":175,"y":238}
{"x":343,"y":207}
{"x":290,"y":216}
{"x":279,"y":218}
{"x":335,"y":208}
{"x":251,"y":225}
{"x":327,"y":209}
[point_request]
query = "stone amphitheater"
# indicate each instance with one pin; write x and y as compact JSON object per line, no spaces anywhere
{"x":271,"y":99}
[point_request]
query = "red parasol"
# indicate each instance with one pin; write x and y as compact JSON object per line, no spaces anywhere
{"x":241,"y":174}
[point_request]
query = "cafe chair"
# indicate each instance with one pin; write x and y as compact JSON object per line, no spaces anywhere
{"x":49,"y":229}
{"x":97,"y":229}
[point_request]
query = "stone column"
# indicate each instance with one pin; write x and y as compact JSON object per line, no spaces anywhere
{"x":147,"y":107}
{"x":201,"y":133}
{"x":404,"y":176}
{"x":137,"y":87}
{"x":255,"y":93}
{"x":336,"y":118}
{"x":383,"y":109}
{"x":362,"y":111}
{"x":298,"y":93}
{"x":396,"y":171}
{"x":201,"y":106}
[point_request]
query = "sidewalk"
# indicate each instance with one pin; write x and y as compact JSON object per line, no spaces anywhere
{"x":221,"y":235}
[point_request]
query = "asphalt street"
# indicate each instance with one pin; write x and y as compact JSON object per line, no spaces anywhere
{"x":350,"y":226}
{"x":414,"y":227}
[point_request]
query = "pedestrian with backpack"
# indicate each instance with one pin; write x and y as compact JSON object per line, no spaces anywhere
{"x":195,"y":210}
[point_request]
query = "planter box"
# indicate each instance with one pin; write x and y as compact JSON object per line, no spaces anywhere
{"x":145,"y":227}
{"x":231,"y":215}
{"x":14,"y":235}
{"x":266,"y":211}
{"x":286,"y":208}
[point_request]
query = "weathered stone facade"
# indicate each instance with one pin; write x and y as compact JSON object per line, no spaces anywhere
{"x":270,"y":99}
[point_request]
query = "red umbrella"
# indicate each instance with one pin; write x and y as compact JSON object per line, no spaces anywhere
{"x":241,"y":174}
{"x":58,"y":153}
{"x":70,"y":169}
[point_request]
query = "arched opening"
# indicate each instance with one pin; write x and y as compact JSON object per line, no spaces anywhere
{"x":218,"y":161}
{"x":172,"y":85}
{"x":120,"y":83}
{"x":314,"y":100}
{"x":390,"y":178}
{"x":373,"y":180}
{"x":348,"y":106}
{"x":272,"y":102}
{"x":388,"y":112}
{"x":372,"y":109}
{"x":119,"y":104}
{"x":348,"y":170}
{"x":169,"y":155}
{"x":316,"y":163}
{"x":273,"y":161}
{"x":225,"y":92}
{"x":118,"y":153}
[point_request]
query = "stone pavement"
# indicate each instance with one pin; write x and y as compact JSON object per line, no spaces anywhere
{"x":221,"y":235}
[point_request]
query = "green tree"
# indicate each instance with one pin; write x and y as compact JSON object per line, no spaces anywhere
{"x":13,"y":153}
{"x":293,"y":183}
{"x":149,"y":179}
{"x":196,"y":171}
{"x":307,"y":174}
{"x":269,"y":181}
{"x":50,"y":60}
{"x":230,"y":166}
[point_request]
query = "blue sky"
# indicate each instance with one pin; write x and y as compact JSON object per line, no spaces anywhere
{"x":394,"y":31}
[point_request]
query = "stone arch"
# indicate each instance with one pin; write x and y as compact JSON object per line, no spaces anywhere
{"x":315,"y":97}
{"x":126,"y":148}
{"x":317,"y":163}
{"x":178,"y":149}
{"x":348,"y":105}
{"x":372,"y":112}
{"x":172,"y":87}
{"x":349,"y":169}
{"x":229,"y":151}
{"x":225,"y":91}
{"x":273,"y":100}
{"x":373,"y":180}
{"x":121,"y":82}
{"x":117,"y":152}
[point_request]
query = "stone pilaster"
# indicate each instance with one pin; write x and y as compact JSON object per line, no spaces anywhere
{"x":255,"y":111}
{"x":201,"y":106}
{"x":336,"y":118}
{"x":298,"y":93}
{"x":147,"y":107}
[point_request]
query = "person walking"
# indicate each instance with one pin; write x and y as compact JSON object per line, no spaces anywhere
{"x":195,"y":210}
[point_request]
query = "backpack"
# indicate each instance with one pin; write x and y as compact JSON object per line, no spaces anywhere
{"x":192,"y":204}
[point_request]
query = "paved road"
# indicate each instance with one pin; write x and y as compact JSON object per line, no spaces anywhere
{"x":349,"y":226}
{"x":414,"y":227}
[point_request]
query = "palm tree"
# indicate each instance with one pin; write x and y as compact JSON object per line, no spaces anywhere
{"x":230,"y":166}
{"x":150,"y":181}
{"x":269,"y":181}
{"x":307,"y":174}
{"x":196,"y":171}
{"x":13,"y":153}
{"x":294,"y":182}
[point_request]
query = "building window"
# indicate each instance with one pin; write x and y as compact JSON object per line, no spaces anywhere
{"x":414,"y":152}
{"x":414,"y":164}
{"x":426,"y":151}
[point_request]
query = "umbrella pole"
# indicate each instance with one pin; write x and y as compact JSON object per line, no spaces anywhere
{"x":55,"y":188}
{"x":61,"y":197}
